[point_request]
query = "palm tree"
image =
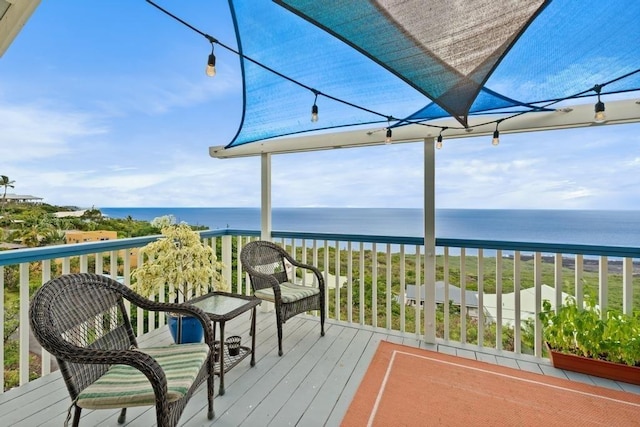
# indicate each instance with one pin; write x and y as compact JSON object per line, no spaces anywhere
{"x":6,"y":183}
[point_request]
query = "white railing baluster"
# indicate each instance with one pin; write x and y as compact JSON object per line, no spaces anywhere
{"x":336,"y":281}
{"x":445,"y":305}
{"x":517,"y":268}
{"x":579,"y":288}
{"x":557,"y":275}
{"x":388,"y":287}
{"x":99,"y":264}
{"x":84,"y":263}
{"x":374,"y":285}
{"x":126,"y":271}
{"x":603,"y":286}
{"x":537,"y":283}
{"x":402,"y":298}
{"x":627,"y":285}
{"x":463,"y":287}
{"x":2,"y":306}
{"x":24,"y":324}
{"x":304,"y":259}
{"x":45,"y":356}
{"x":498,"y":299}
{"x":481,"y":298}
{"x":349,"y":282}
{"x":361,"y":305}
{"x":325,"y":265}
{"x":418,"y":308}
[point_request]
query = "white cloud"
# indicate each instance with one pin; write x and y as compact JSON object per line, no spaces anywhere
{"x":39,"y":131}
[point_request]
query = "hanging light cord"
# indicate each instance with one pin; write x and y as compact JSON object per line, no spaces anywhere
{"x":271,"y":70}
{"x":386,"y":117}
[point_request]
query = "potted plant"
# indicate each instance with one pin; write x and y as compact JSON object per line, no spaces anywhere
{"x":183,"y":266}
{"x":582,"y":340}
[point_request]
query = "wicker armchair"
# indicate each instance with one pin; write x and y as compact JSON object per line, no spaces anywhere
{"x":265,"y":264}
{"x":81,"y":320}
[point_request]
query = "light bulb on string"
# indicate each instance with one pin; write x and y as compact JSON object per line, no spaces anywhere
{"x":439,"y":140}
{"x":387,"y":139}
{"x":600,"y":116}
{"x":211,"y":64}
{"x":496,"y":135}
{"x":314,"y":108}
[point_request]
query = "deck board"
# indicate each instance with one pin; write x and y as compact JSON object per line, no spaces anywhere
{"x":312,"y":384}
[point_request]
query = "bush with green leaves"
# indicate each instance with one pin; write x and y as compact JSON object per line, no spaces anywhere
{"x":614,"y":337}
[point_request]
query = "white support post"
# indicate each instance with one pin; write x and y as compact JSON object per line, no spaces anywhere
{"x":265,"y":206}
{"x":265,"y":209}
{"x":429,"y":241}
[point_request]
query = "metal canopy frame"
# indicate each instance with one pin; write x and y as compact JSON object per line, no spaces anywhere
{"x":576,"y":116}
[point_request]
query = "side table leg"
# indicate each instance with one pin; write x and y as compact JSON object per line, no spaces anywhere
{"x":221,"y":389}
{"x":253,"y":337}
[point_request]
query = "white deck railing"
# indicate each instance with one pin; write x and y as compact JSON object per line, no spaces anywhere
{"x":489,"y":277}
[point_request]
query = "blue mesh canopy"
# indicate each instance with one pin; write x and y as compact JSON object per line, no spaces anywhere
{"x":396,"y":61}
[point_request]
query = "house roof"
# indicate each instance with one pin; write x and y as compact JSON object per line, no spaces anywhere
{"x":22,"y":197}
{"x":471,"y":297}
{"x":527,"y":303}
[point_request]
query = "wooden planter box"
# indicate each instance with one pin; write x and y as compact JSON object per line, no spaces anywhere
{"x":596,"y":367}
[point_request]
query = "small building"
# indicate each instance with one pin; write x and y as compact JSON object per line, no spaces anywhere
{"x":527,"y":300}
{"x":75,"y":236}
{"x":23,"y":198}
{"x":454,"y":295}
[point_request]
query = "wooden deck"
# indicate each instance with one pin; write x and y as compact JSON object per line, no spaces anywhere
{"x":312,"y":384}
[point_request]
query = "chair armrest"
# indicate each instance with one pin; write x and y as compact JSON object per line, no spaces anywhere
{"x":314,"y":269}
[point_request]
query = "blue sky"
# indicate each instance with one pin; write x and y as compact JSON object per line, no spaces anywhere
{"x":107,"y":104}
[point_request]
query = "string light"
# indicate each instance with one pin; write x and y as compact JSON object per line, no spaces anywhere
{"x":314,"y":108}
{"x":599,"y":117}
{"x":211,"y":64}
{"x":496,"y":135}
{"x":439,"y":140}
{"x":210,"y":70}
{"x":388,"y":139}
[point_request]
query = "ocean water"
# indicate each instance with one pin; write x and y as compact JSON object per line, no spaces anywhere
{"x":589,"y":227}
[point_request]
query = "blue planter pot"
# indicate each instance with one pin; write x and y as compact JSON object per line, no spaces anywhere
{"x":191,"y":329}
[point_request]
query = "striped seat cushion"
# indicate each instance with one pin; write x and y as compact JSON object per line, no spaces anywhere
{"x":289,"y":292}
{"x":124,"y":386}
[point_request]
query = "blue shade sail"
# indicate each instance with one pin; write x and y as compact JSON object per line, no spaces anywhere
{"x":394,"y":62}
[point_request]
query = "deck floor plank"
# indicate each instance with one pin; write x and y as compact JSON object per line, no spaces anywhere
{"x":312,"y":384}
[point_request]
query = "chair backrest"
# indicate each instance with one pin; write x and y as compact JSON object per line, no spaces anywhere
{"x":265,"y":258}
{"x":79,"y":311}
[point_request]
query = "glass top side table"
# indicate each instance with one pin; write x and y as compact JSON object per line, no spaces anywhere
{"x":221,"y":307}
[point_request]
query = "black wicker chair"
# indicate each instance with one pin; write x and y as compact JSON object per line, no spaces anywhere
{"x":81,"y":320}
{"x":265,"y":264}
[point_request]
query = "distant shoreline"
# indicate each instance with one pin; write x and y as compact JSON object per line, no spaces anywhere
{"x":588,"y":264}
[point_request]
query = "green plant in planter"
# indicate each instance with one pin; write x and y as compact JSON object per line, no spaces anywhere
{"x":179,"y":259}
{"x":584,"y":332}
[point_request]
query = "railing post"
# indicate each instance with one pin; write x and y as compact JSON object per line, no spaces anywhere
{"x":45,"y":362}
{"x":537,"y":283}
{"x":603,"y":285}
{"x":227,"y":256}
{"x":2,"y":326}
{"x":627,"y":285}
{"x":24,"y":323}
